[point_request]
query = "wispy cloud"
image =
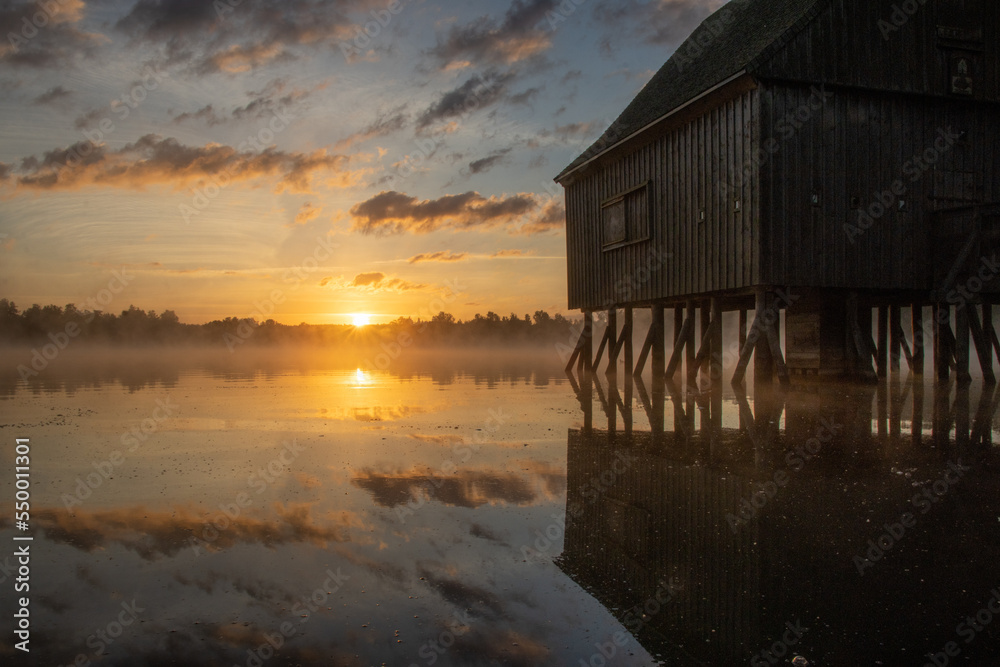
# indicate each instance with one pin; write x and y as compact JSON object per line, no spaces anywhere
{"x":440,"y":256}
{"x":153,"y":160}
{"x":397,"y":213}
{"x":485,"y":40}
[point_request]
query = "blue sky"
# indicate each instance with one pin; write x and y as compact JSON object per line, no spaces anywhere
{"x":225,"y":153}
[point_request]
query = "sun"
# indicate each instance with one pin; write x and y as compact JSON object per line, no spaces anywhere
{"x":361,"y":319}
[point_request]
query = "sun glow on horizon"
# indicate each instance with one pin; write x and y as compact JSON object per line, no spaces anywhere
{"x":361,"y":319}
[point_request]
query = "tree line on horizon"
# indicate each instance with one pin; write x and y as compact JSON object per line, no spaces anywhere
{"x":134,"y":326}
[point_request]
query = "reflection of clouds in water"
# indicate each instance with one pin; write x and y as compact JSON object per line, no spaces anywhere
{"x":463,"y":488}
{"x":153,"y":534}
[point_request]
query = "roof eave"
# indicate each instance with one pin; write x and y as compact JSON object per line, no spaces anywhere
{"x":566,"y":173}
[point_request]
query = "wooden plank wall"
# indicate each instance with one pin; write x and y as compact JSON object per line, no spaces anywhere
{"x":854,"y":43}
{"x":692,"y":168}
{"x":856,"y":146}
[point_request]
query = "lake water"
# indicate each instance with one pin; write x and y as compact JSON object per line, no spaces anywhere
{"x":476,"y":508}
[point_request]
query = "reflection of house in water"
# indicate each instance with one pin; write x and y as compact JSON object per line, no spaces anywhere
{"x":673,"y":519}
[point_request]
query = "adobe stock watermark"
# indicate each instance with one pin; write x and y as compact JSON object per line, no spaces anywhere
{"x":102,"y":638}
{"x":294,"y":276}
{"x":796,"y":460}
{"x":775,"y":654}
{"x":33,"y":22}
{"x":40,"y":359}
{"x":131,"y":440}
{"x":635,"y":619}
{"x":914,"y":170}
{"x":924,"y":501}
{"x":432,"y":650}
{"x":968,"y":629}
{"x":393,"y":350}
{"x":463,"y":453}
{"x":203,"y":196}
{"x":786,"y":128}
{"x":695,"y":48}
{"x":562,"y":12}
{"x":304,"y":608}
{"x":258,"y":481}
{"x":901,"y":14}
{"x":367,"y":33}
{"x":589,"y":493}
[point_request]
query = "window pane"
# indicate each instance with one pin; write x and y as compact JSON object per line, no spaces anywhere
{"x":613,"y":216}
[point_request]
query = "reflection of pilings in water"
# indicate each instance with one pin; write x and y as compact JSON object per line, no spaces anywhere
{"x":699,"y":412}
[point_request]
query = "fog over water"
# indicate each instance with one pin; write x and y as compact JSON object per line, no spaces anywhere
{"x":480,"y":507}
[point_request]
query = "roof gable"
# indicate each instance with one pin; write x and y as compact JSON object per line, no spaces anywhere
{"x":735,"y":38}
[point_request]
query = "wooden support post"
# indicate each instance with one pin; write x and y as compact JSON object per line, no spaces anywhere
{"x":984,"y":346}
{"x":705,"y":329}
{"x":611,"y":339}
{"x":917,"y":323}
{"x":659,"y":351}
{"x":989,"y":332}
{"x":942,"y":351}
{"x":895,"y":338}
{"x":962,"y":336}
{"x":627,"y":334}
{"x":678,"y":322}
{"x":743,"y":328}
{"x":763,"y":363}
{"x":588,"y":341}
{"x":675,"y":357}
{"x":715,"y":359}
{"x":882,"y":355}
{"x":689,"y":338}
{"x":647,"y":346}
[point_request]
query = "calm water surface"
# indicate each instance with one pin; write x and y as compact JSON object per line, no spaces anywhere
{"x":482,"y":509}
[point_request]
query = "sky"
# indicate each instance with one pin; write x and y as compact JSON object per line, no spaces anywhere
{"x":307,"y":160}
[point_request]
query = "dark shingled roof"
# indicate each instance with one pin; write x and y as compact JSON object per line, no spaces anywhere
{"x":739,"y":35}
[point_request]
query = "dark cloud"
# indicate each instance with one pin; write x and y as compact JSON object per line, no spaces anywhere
{"x":396,"y":213}
{"x":524,"y":97}
{"x":213,"y":37}
{"x":275,"y":97}
{"x":36,"y":36}
{"x":52,"y":95}
{"x":90,"y":118}
{"x":464,"y":488}
{"x":153,"y":534}
{"x":477,"y":92}
{"x":484,"y":40}
{"x":385,"y":123}
{"x":485,"y":164}
{"x":551,"y":217}
{"x":153,"y":160}
{"x":440,"y":256}
{"x":661,"y":22}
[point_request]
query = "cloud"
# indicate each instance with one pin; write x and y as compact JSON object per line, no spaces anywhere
{"x":396,"y":213}
{"x":52,"y":95}
{"x":661,"y":22}
{"x":385,"y":123}
{"x":485,"y":164}
{"x":28,"y":42}
{"x":263,"y":103}
{"x":512,"y":253}
{"x":524,"y":97}
{"x":307,"y":214}
{"x":379,"y":282}
{"x":463,"y":488}
{"x":576,"y":130}
{"x":153,"y":534}
{"x":477,"y":92}
{"x":153,"y":160}
{"x":211,"y":37}
{"x":484,"y":40}
{"x":551,"y":217}
{"x":440,"y":256}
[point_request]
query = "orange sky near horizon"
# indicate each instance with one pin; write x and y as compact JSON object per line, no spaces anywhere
{"x":305,"y":161}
